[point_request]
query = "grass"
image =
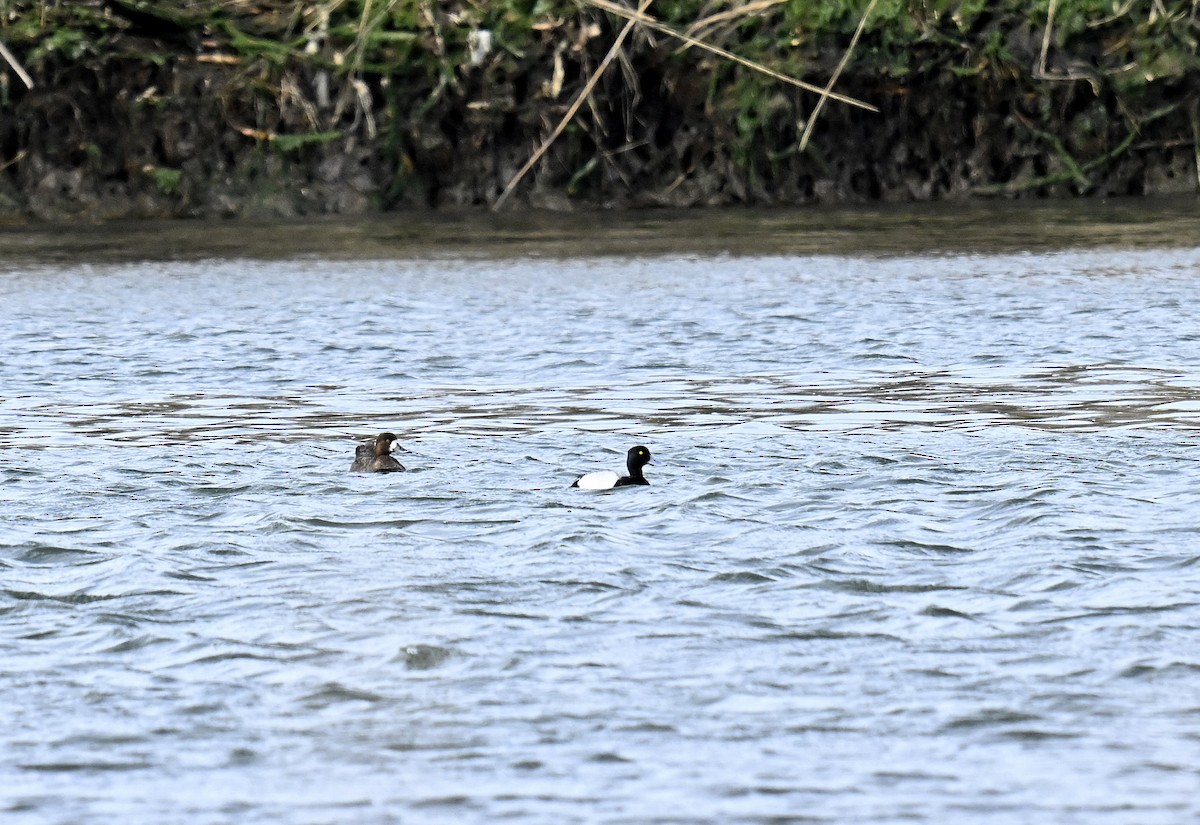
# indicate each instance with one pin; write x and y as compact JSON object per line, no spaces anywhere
{"x":266,"y":57}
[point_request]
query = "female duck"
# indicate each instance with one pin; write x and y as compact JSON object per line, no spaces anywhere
{"x":376,"y":456}
{"x":635,"y":460}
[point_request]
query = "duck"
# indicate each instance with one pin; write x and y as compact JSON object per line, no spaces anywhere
{"x":376,"y":456}
{"x":637,"y":458}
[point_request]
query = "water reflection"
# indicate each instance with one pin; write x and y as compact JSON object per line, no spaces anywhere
{"x":979,"y":227}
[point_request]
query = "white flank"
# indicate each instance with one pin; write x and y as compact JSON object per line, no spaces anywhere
{"x":597,"y":481}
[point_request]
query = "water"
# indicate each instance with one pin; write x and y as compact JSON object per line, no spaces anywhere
{"x":921,"y":543}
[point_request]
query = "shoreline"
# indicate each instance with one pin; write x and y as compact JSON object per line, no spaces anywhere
{"x":141,"y":111}
{"x":862,"y":230}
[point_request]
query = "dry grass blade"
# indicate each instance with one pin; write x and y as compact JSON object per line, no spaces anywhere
{"x":808,"y":127}
{"x":698,"y":28}
{"x":582,"y":96}
{"x":650,"y":22}
{"x":17,"y":158}
{"x":1039,"y":70}
{"x":16,"y":66}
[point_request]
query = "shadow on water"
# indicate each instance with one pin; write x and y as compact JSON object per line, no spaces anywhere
{"x":906,"y":229}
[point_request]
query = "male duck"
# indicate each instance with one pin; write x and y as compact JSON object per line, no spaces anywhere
{"x":635,"y":460}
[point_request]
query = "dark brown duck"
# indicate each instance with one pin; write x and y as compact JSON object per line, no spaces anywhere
{"x":376,"y":456}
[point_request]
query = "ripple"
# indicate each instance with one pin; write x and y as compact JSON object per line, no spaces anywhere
{"x":334,"y":693}
{"x":929,"y":510}
{"x":742,"y":577}
{"x":85,"y":767}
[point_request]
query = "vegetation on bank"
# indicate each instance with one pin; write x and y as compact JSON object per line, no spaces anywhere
{"x":203,"y":106}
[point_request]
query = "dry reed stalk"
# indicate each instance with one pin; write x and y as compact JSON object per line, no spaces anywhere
{"x":17,"y":158}
{"x":16,"y":66}
{"x":651,"y":23}
{"x":579,"y":99}
{"x":356,"y":91}
{"x":1039,"y":71}
{"x":808,"y":127}
{"x":318,"y":39}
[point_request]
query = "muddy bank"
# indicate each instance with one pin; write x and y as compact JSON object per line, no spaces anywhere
{"x":278,"y":110}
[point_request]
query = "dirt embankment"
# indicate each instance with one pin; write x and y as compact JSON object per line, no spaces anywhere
{"x":144,"y":108}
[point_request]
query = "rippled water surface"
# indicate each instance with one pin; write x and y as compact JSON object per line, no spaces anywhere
{"x":920,"y":545}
